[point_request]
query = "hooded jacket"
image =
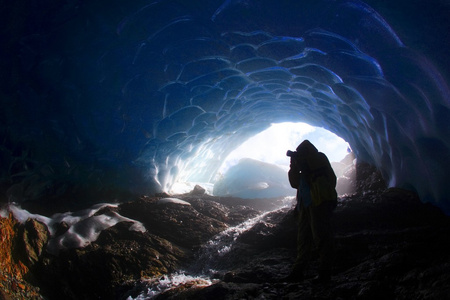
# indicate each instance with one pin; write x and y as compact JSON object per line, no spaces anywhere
{"x":314,"y":167}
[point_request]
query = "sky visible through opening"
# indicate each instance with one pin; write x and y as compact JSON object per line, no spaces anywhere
{"x":271,"y":144}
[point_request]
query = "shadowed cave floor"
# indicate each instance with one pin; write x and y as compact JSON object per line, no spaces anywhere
{"x":389,"y":246}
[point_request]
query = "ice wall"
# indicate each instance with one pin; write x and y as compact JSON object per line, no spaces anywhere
{"x":251,"y":178}
{"x":137,"y":94}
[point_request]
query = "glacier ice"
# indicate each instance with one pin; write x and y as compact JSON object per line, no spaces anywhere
{"x":138,"y":95}
{"x":251,"y":178}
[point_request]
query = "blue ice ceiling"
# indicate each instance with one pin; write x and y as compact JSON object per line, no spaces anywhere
{"x":139,"y":94}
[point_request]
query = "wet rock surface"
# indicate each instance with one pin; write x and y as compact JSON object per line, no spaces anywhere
{"x":183,"y":225}
{"x":389,"y":245}
{"x":97,"y":270}
{"x":119,"y":257}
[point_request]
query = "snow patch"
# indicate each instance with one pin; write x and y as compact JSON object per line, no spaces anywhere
{"x":172,"y":200}
{"x":84,"y":226}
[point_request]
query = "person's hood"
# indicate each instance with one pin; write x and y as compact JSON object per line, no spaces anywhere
{"x":306,"y":147}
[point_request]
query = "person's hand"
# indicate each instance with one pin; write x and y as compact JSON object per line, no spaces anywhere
{"x":294,"y":164}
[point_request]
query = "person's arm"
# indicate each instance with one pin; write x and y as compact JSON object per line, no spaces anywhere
{"x":294,"y":174}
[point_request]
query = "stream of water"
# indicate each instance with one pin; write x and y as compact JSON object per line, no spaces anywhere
{"x":210,"y":256}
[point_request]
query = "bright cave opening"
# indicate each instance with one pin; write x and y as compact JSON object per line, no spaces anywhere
{"x":258,"y":167}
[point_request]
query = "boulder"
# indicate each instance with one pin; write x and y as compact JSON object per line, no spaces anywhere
{"x":32,"y":239}
{"x":198,"y":190}
{"x":180,"y":224}
{"x":99,"y":270}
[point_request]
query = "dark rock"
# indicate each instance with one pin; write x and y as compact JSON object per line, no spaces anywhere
{"x":117,"y":256}
{"x":198,"y":190}
{"x":264,"y":204}
{"x":61,"y":228}
{"x":219,"y":209}
{"x":389,"y":245}
{"x":210,"y":209}
{"x":369,"y":179}
{"x":258,"y":232}
{"x":33,"y":237}
{"x":224,"y":290}
{"x":277,"y":228}
{"x":162,"y":195}
{"x":361,"y":178}
{"x":182,"y":225}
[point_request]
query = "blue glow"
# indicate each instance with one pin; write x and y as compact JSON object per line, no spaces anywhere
{"x":138,"y":96}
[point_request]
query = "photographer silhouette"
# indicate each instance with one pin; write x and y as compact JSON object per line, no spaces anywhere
{"x":311,"y":174}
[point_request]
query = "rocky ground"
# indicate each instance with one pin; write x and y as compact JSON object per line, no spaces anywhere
{"x":389,"y":246}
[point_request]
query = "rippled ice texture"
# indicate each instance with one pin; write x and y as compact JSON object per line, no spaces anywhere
{"x":141,"y":94}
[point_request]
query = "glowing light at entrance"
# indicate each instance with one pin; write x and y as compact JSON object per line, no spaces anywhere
{"x":271,"y":144}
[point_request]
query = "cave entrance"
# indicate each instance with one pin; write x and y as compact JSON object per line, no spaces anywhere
{"x":265,"y":154}
{"x":270,"y":145}
{"x":258,"y":167}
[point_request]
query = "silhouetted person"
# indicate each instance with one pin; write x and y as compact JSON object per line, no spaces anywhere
{"x":311,"y":174}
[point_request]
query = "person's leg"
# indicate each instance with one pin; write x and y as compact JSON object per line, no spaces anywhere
{"x":304,"y":241}
{"x":323,"y":237}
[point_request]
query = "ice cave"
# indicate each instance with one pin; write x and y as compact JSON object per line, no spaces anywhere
{"x":132,"y":96}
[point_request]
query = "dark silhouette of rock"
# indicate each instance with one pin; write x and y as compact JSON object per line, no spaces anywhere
{"x":389,"y":246}
{"x":98,"y":270}
{"x":223,"y":208}
{"x":180,"y":224}
{"x":198,"y":190}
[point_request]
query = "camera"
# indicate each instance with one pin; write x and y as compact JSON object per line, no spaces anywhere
{"x":292,"y":154}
